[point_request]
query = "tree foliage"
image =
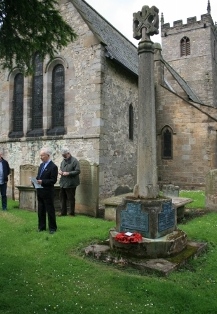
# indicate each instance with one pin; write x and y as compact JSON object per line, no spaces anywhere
{"x":28,"y":26}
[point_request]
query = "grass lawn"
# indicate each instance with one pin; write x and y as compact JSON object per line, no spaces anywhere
{"x":43,"y":273}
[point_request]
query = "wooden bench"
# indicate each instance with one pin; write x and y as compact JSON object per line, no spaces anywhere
{"x":113,"y":202}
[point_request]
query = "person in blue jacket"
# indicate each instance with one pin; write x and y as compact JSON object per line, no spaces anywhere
{"x":4,"y":173}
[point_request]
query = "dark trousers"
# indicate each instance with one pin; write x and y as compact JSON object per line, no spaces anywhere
{"x":67,"y":194}
{"x":3,"y":190}
{"x":46,"y":205}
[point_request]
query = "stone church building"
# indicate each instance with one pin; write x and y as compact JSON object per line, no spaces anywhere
{"x":86,"y":98}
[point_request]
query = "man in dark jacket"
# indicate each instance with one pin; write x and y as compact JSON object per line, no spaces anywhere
{"x":69,"y":171}
{"x":4,"y":173}
{"x":46,"y":177}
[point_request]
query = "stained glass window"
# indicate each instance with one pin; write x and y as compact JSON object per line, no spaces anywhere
{"x":58,"y":96}
{"x":18,"y":103}
{"x":131,"y":122}
{"x":37,"y":93}
{"x":167,"y":147}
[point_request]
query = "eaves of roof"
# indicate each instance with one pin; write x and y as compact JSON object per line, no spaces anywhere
{"x":118,"y":46}
{"x":192,"y":96}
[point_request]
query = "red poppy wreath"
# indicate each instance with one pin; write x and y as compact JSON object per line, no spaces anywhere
{"x":128,"y":237}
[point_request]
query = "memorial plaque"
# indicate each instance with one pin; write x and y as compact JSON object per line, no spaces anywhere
{"x":166,"y":219}
{"x":133,"y":219}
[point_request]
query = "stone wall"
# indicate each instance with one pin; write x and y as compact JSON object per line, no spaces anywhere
{"x":118,"y":154}
{"x":194,"y":141}
{"x":27,"y":152}
{"x":97,"y":98}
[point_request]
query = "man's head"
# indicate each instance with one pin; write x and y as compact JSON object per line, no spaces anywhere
{"x":45,"y":154}
{"x":65,"y":153}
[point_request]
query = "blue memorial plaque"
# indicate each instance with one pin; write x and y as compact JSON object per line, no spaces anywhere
{"x":166,"y":219}
{"x":133,"y":218}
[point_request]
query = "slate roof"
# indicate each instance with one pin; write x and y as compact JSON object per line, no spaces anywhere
{"x":192,"y":96}
{"x":118,"y":47}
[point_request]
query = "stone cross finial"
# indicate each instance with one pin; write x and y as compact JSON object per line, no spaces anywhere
{"x":208,"y":7}
{"x":145,"y":23}
{"x":162,"y":19}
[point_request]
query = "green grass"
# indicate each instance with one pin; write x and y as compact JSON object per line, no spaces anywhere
{"x":197,"y":196}
{"x":43,"y":273}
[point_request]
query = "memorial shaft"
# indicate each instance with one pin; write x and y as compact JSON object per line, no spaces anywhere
{"x":146,"y":161}
{"x":145,"y":25}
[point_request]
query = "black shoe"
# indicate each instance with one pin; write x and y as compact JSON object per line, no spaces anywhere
{"x":71,"y":214}
{"x":52,"y":231}
{"x":40,"y":230}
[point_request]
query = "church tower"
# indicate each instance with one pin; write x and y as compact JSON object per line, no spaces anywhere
{"x":191,"y":49}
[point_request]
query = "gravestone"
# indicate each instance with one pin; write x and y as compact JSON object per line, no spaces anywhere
{"x":27,"y":193}
{"x":122,"y":189}
{"x":211,"y":190}
{"x":87,"y":193}
{"x":10,"y":185}
{"x":170,"y":190}
{"x":26,"y":172}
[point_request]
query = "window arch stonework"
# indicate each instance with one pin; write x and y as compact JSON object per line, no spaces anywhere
{"x":185,"y":48}
{"x":17,"y":106}
{"x":57,"y":100}
{"x":131,"y":122}
{"x":167,"y":143}
{"x":37,"y":98}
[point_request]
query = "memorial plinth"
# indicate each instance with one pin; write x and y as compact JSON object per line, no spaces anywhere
{"x":156,"y":221}
{"x":152,"y":218}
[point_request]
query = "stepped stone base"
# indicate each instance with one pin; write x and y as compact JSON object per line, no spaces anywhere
{"x":162,"y":266}
{"x":169,"y":245}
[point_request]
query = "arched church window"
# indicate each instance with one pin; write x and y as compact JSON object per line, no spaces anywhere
{"x":185,"y":48}
{"x":58,"y":96}
{"x":37,"y":97}
{"x":57,"y":101}
{"x":17,"y":107}
{"x":167,"y":143}
{"x":131,"y":120}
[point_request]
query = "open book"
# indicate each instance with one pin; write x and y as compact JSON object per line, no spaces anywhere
{"x":36,"y":184}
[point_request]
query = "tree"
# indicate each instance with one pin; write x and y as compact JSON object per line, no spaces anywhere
{"x":29,"y":26}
